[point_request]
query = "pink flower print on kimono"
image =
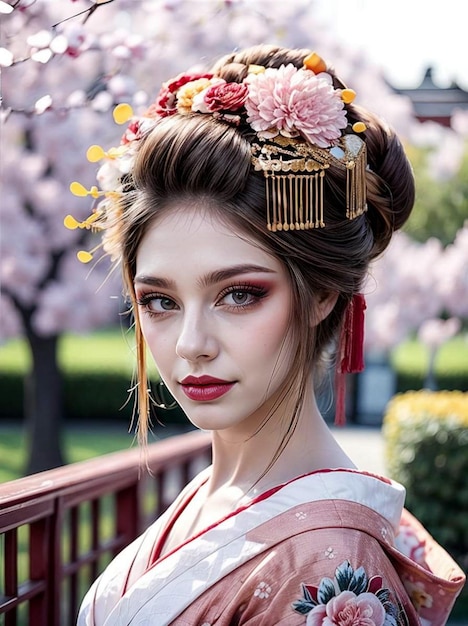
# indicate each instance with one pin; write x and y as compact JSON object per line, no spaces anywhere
{"x":419,"y":597}
{"x":349,"y":599}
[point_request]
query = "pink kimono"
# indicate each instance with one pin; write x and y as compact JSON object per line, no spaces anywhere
{"x":334,"y":547}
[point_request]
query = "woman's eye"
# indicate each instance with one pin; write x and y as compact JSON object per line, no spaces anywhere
{"x":156,"y":304}
{"x":240,"y":297}
{"x":161,"y":304}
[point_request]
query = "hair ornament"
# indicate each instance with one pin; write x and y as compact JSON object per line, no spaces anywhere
{"x":315,"y":63}
{"x":79,"y":190}
{"x":350,"y":351}
{"x":301,"y":128}
{"x":294,"y":175}
{"x":255,"y":69}
{"x":72,"y":224}
{"x":359,"y":127}
{"x":348,"y":96}
{"x":96,"y":153}
{"x":122,"y":113}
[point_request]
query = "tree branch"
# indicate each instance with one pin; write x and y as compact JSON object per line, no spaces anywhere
{"x":89,"y":13}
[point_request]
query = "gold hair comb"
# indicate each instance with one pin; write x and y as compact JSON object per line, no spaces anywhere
{"x":294,"y":172}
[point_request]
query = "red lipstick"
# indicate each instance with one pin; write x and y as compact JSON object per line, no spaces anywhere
{"x":205,"y":388}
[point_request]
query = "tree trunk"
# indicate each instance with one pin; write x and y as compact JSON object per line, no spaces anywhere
{"x":43,"y":406}
{"x":430,"y":381}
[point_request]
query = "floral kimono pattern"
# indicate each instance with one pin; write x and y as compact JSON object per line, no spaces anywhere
{"x":318,"y":551}
{"x":349,"y":597}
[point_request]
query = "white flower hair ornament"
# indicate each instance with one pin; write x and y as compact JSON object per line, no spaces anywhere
{"x":301,"y":128}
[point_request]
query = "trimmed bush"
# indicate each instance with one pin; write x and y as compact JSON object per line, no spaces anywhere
{"x":97,"y":374}
{"x":97,"y":371}
{"x":426,"y":446}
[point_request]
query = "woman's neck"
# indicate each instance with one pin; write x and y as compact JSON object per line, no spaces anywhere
{"x":250,"y":463}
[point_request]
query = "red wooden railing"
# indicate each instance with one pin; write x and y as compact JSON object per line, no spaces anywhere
{"x":58,"y":529}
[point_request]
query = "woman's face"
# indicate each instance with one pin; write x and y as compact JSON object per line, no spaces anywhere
{"x":215,"y":313}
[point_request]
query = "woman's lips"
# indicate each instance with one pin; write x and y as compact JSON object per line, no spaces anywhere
{"x":205,"y":388}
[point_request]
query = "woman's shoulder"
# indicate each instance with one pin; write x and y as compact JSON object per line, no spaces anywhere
{"x":354,"y":535}
{"x":311,"y":568}
{"x":374,"y":492}
{"x":322,"y":556}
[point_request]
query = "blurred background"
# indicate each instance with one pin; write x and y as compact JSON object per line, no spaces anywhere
{"x":66,"y":354}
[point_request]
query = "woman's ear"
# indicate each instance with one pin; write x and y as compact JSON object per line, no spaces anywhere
{"x":323,"y":306}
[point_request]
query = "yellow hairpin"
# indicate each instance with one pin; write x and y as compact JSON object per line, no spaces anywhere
{"x":96,"y":153}
{"x":315,"y":63}
{"x":79,"y":190}
{"x":72,"y":224}
{"x":122,"y":113}
{"x":348,"y":95}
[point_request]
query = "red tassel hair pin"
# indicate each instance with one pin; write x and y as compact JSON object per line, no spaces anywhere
{"x":350,"y":352}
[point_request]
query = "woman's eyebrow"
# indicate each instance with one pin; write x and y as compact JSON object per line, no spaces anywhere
{"x":154,"y":281}
{"x":217,"y":276}
{"x":211,"y":278}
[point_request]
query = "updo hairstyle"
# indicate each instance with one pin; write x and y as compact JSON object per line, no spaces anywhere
{"x":198,"y":157}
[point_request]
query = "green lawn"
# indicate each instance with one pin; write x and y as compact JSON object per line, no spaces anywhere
{"x":412,"y":356}
{"x":79,"y":445}
{"x":113,"y":351}
{"x":109,"y":350}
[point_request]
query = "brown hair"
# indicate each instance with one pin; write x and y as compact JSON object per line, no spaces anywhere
{"x":200,"y":157}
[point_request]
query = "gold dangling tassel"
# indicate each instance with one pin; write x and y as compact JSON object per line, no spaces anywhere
{"x":361,"y":179}
{"x":350,"y":166}
{"x":268,"y":193}
{"x":291,"y":203}
{"x":312,"y":213}
{"x":316,"y":200}
{"x":298,"y":202}
{"x":321,"y":221}
{"x":285,"y":203}
{"x":275,"y":203}
{"x":279,"y":206}
{"x":299,"y":205}
{"x":356,"y":185}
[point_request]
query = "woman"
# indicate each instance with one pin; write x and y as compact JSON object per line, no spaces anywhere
{"x":253,"y":199}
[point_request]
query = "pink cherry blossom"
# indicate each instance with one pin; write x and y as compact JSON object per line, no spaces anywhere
{"x":348,"y":609}
{"x":435,"y":332}
{"x":413,"y":282}
{"x":295,"y":102}
{"x":134,"y":47}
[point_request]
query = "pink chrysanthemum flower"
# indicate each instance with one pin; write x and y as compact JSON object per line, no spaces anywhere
{"x":292,"y":102}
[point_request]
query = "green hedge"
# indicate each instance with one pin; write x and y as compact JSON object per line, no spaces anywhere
{"x":426,"y":443}
{"x":98,"y":371}
{"x":97,"y":374}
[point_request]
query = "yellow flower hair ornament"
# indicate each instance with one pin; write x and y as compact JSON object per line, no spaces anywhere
{"x":121,"y":114}
{"x":306,"y":139}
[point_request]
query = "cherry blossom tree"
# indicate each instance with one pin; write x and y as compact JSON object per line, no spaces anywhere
{"x":413,"y":287}
{"x":65,"y":64}
{"x":441,"y":170}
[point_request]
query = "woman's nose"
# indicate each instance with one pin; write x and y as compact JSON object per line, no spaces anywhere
{"x":196,"y":339}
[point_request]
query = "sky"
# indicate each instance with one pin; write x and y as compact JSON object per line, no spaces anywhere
{"x":404,"y":37}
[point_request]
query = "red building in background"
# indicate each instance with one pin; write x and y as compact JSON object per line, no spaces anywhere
{"x":431,"y":102}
